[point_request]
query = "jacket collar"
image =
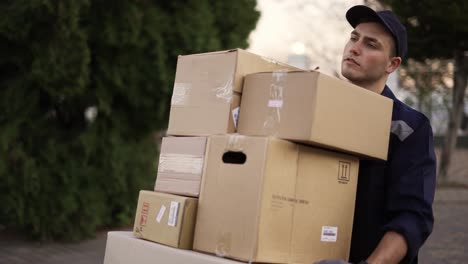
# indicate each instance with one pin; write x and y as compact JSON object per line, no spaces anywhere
{"x":388,"y":93}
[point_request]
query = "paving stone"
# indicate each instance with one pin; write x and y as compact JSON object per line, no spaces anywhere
{"x":447,"y":244}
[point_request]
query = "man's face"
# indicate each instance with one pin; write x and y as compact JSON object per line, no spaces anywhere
{"x":367,"y":55}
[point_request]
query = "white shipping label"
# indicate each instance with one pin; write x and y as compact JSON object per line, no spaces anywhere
{"x":181,"y":163}
{"x":329,"y":233}
{"x":275,"y":103}
{"x":173,"y":211}
{"x":161,"y":213}
{"x":235,"y":115}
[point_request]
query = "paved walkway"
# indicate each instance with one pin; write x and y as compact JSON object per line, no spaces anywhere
{"x":17,"y":250}
{"x":447,"y":244}
{"x":449,"y":240}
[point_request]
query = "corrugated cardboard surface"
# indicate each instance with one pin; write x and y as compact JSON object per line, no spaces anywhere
{"x":181,"y":165}
{"x":266,"y":209}
{"x":124,"y":248}
{"x":207,"y":89}
{"x":157,"y":220}
{"x":316,"y":109}
{"x":230,"y":203}
{"x":325,"y":197}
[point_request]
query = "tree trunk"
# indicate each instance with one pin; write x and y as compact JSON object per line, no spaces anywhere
{"x":455,"y":114}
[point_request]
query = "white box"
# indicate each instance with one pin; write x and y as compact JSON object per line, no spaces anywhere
{"x":124,"y":248}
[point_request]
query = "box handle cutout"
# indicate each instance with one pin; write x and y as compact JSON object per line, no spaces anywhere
{"x":234,"y":157}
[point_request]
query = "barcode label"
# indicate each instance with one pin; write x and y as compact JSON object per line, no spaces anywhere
{"x":172,"y":220}
{"x":329,"y":233}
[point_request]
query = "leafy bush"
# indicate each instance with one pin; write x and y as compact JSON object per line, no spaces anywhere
{"x":84,"y":88}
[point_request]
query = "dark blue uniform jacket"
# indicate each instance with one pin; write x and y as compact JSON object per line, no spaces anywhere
{"x":397,"y":194}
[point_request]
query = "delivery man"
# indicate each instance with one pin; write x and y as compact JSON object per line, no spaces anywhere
{"x":393,"y":215}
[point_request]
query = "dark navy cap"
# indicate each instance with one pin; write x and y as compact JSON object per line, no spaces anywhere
{"x":356,"y":14}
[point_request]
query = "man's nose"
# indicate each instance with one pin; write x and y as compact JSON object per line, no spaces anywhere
{"x":355,"y":48}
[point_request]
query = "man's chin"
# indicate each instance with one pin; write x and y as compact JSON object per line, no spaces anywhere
{"x":353,"y":78}
{"x":348,"y":74}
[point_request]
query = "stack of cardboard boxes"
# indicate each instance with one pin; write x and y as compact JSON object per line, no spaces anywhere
{"x":280,"y":190}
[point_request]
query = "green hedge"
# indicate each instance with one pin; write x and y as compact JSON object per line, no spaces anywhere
{"x":63,"y":175}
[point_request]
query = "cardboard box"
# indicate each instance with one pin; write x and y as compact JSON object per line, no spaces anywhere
{"x":165,"y":218}
{"x":181,"y":165}
{"x":317,"y":109}
{"x":270,"y":200}
{"x":124,"y":248}
{"x":207,"y":90}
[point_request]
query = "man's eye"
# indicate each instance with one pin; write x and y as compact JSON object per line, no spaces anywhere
{"x":353,"y":38}
{"x":371,"y":45}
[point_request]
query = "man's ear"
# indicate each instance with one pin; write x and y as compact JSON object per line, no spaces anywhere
{"x":393,"y":64}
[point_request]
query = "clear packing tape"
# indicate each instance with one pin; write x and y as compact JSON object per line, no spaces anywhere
{"x":223,"y":245}
{"x":181,"y":163}
{"x":235,"y":143}
{"x":220,"y":87}
{"x":224,"y":92}
{"x":275,"y":103}
{"x":181,"y":93}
